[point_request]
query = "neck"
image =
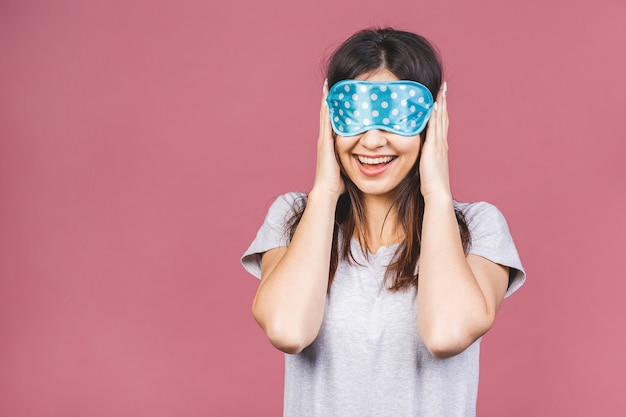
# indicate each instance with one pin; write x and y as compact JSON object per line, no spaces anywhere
{"x":381,"y":223}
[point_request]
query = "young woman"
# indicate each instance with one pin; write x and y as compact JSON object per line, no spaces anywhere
{"x":377,"y":284}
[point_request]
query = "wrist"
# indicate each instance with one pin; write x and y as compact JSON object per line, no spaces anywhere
{"x":323,"y":195}
{"x":438,"y":198}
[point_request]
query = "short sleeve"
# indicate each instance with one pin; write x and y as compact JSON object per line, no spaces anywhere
{"x":272,"y":233}
{"x":491,"y":239}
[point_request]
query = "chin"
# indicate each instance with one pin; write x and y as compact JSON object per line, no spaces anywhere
{"x":378,"y":190}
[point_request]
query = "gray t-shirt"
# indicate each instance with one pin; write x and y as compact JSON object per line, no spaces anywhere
{"x":368,"y":359}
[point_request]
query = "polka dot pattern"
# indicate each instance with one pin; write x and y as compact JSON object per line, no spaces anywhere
{"x":401,"y":107}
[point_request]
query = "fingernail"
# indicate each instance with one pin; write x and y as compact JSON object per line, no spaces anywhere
{"x":325,"y":87}
{"x":445,"y":88}
{"x":435,"y":106}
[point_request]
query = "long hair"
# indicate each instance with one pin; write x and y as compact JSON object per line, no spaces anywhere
{"x":409,"y":57}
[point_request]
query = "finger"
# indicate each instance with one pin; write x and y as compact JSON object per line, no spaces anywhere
{"x":428,"y":131}
{"x":444,"y":112}
{"x":444,"y":99}
{"x":325,"y":143}
{"x":324,"y":95}
{"x":432,"y":125}
{"x":325,"y":128}
{"x":440,"y":100}
{"x":441,"y":112}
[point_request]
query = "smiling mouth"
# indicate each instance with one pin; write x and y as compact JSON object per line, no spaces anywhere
{"x":381,"y":160}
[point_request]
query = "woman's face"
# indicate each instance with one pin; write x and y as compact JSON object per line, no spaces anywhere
{"x":377,"y":161}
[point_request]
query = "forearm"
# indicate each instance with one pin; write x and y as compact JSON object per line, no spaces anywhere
{"x":452,"y":309}
{"x":289,"y":304}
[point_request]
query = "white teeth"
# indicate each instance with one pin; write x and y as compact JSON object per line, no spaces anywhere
{"x":374,"y":161}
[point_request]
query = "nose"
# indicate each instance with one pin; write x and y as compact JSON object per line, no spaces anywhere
{"x":373,"y":139}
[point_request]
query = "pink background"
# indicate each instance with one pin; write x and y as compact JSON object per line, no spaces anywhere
{"x":142,"y":141}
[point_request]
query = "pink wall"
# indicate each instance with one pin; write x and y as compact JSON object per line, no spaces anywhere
{"x":140,"y":149}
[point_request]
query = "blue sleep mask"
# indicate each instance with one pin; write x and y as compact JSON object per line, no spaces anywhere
{"x":401,"y":107}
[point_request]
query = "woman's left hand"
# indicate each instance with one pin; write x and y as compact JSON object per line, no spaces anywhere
{"x":434,"y":172}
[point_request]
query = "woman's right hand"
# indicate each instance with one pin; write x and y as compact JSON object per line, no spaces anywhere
{"x":327,"y":177}
{"x":290,"y":301}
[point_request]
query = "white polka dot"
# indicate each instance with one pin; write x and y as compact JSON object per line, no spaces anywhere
{"x":347,"y":88}
{"x":383,"y":88}
{"x":363,"y":88}
{"x":366,"y":122}
{"x":384,"y":105}
{"x":394,"y":112}
{"x":403,"y":120}
{"x":419,"y":114}
{"x":355,"y":128}
{"x":413,"y":123}
{"x":374,"y":97}
{"x":336,"y":118}
{"x":427,"y":105}
{"x":412,"y":93}
{"x":394,"y":95}
{"x":341,"y":112}
{"x":396,"y":127}
{"x":403,"y":102}
{"x":348,"y":121}
{"x":355,"y":97}
{"x":403,"y":87}
{"x":385,"y":121}
{"x":356,"y":113}
{"x":340,"y":96}
{"x":420,"y":100}
{"x":412,"y":108}
{"x":364,"y":105}
{"x":347,"y":105}
{"x":335,"y":103}
{"x":375,"y":113}
{"x":341,"y":128}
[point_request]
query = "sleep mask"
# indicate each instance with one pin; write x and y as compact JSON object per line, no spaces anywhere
{"x":402,"y":107}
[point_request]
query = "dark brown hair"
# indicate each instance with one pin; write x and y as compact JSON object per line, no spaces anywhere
{"x":409,"y":57}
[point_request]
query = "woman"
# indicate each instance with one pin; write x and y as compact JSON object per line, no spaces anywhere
{"x":377,"y":283}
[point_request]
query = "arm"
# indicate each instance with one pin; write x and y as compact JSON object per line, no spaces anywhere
{"x":458,"y":296}
{"x":289,"y":303}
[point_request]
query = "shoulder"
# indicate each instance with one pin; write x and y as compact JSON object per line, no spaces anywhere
{"x":491,"y":238}
{"x":478,"y":210}
{"x":273,"y":233}
{"x":289,"y":200}
{"x":483,"y":220}
{"x":285,"y":206}
{"x":483,"y":217}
